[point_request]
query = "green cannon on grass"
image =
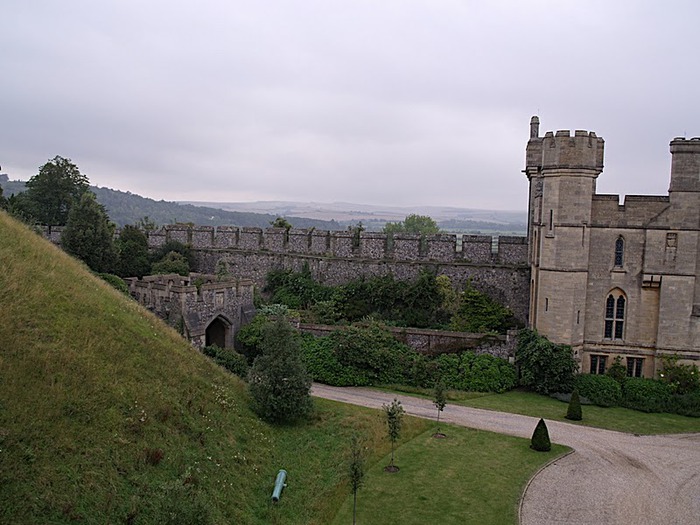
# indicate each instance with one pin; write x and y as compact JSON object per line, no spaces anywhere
{"x":279,"y":485}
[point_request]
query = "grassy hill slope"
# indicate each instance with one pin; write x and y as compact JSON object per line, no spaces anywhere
{"x":108,"y":416}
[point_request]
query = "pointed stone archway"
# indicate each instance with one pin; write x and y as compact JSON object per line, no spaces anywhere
{"x":218,"y":332}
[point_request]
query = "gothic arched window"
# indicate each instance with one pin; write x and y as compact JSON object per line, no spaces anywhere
{"x":619,"y":251}
{"x":614,"y":315}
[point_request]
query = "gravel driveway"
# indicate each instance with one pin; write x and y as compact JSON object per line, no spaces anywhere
{"x":611,"y":478}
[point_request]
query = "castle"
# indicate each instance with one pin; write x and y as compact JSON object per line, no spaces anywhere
{"x":612,"y":279}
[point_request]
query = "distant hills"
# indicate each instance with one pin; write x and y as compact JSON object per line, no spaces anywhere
{"x":128,"y":208}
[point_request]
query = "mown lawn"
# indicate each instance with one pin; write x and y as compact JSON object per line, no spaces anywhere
{"x":536,"y":405}
{"x":469,"y":477}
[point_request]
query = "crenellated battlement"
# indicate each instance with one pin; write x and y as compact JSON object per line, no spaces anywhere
{"x":443,"y":248}
{"x":563,"y":151}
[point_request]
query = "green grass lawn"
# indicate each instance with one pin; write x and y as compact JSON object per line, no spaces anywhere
{"x":536,"y":405}
{"x":471,"y":476}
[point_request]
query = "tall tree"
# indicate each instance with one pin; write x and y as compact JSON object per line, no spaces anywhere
{"x":54,"y":190}
{"x":89,"y":235}
{"x":132,"y":249}
{"x":278,"y":382}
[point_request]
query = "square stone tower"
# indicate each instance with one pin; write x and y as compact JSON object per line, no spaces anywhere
{"x":562,"y":169}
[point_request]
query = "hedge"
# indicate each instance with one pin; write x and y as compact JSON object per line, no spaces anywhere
{"x":600,"y":390}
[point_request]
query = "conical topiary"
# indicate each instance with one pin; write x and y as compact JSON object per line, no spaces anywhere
{"x":574,"y":411}
{"x":540,"y":438}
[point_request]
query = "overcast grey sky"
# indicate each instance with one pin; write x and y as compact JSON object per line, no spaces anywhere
{"x":402,"y":102}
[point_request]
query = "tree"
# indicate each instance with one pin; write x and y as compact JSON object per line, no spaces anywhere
{"x":356,"y":473}
{"x":173,"y":262}
{"x":281,"y":222}
{"x":544,"y":366}
{"x":478,"y":313}
{"x":573,"y":412}
{"x":278,"y":382}
{"x":3,"y":201}
{"x":540,"y":438}
{"x":132,"y":250}
{"x":175,"y":246}
{"x":89,"y":235}
{"x":440,"y":401}
{"x":394,"y":418}
{"x":54,"y":190}
{"x":418,"y":224}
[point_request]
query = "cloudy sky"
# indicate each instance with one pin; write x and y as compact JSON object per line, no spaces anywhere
{"x":401,"y":102}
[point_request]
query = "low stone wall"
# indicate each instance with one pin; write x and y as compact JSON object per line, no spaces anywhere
{"x":435,"y":342}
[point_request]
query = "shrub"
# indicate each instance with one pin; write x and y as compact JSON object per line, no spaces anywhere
{"x":323,"y":365}
{"x":685,"y":404}
{"x":544,"y":366}
{"x":540,"y":438}
{"x":115,"y":281}
{"x":478,"y":313}
{"x":617,"y":370}
{"x":573,"y":412}
{"x":684,"y":379}
{"x":229,"y":359}
{"x":488,"y":373}
{"x":278,"y":382}
{"x":600,"y":390}
{"x":646,"y":395}
{"x":249,"y":337}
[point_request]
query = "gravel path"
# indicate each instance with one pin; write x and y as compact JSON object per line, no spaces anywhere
{"x":611,"y":478}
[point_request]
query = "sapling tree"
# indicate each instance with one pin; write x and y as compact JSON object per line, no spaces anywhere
{"x":394,"y":415}
{"x":356,"y":473}
{"x":440,"y":401}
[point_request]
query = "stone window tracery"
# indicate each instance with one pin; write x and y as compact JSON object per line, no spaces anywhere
{"x":619,"y":251}
{"x":615,"y":315}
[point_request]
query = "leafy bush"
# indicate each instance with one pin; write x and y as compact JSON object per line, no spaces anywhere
{"x":368,"y":354}
{"x":683,"y":379}
{"x":249,"y":337}
{"x":278,"y":382}
{"x":229,"y":359}
{"x":484,"y":373}
{"x":478,"y":313}
{"x":371,"y":350}
{"x":172,"y":262}
{"x":573,"y":412}
{"x":115,"y":281}
{"x":646,"y":395}
{"x":600,"y":390}
{"x":685,"y":404}
{"x":617,"y":370}
{"x":540,"y":438}
{"x":544,"y":366}
{"x":323,"y":365}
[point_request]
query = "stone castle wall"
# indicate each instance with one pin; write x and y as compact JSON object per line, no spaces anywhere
{"x":339,"y":256}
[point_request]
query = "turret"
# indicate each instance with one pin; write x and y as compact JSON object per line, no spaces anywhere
{"x":562,"y":169}
{"x":685,"y":165}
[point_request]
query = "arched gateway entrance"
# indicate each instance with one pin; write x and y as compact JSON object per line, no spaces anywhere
{"x":218,"y":332}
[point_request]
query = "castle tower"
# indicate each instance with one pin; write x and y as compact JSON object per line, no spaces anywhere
{"x":562,"y":170}
{"x":684,"y":194}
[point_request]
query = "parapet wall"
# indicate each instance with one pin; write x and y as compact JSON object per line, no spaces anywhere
{"x":442,"y":248}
